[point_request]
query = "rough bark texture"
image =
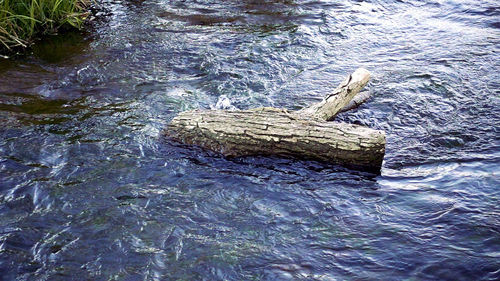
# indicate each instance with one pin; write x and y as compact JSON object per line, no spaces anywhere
{"x":302,"y":134}
{"x":271,"y":131}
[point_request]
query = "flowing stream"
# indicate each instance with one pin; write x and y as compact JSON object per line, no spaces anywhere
{"x":91,"y":190}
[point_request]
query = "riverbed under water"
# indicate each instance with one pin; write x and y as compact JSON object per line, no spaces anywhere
{"x":91,"y":190}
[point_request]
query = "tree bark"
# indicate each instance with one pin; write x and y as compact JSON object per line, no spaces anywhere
{"x":301,"y":134}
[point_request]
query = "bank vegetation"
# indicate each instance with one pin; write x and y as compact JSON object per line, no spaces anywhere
{"x":23,"y":21}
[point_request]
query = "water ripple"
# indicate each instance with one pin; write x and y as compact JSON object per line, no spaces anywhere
{"x":90,"y":188}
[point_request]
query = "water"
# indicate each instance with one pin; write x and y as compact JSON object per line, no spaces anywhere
{"x":90,"y":190}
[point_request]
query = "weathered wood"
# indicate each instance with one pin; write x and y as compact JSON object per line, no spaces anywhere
{"x":271,"y":131}
{"x":301,"y":134}
{"x":356,"y":101}
{"x":332,"y":104}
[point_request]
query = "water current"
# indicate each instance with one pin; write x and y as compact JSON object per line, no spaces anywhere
{"x":91,"y":190}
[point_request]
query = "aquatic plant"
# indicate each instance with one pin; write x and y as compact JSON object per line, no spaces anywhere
{"x":21,"y":21}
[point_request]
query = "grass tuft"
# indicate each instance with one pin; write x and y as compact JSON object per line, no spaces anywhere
{"x":21,"y":21}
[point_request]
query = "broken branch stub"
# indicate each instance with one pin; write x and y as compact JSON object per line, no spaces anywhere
{"x":332,"y":104}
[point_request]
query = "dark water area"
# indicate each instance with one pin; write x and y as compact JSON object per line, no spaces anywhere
{"x":90,"y":190}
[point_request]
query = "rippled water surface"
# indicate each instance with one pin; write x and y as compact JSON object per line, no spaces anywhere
{"x":90,"y":190}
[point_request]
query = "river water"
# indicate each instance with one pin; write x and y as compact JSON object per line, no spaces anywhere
{"x":90,"y":190}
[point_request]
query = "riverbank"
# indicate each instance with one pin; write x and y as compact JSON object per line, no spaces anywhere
{"x":23,"y":21}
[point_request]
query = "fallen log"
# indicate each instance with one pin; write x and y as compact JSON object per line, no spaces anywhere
{"x":303,"y":134}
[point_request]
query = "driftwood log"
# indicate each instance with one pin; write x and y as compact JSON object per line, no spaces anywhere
{"x":304,"y":134}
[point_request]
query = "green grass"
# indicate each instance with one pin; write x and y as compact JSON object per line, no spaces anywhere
{"x":21,"y":21}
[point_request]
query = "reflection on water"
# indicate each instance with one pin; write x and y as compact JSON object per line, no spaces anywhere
{"x":90,"y":188}
{"x":60,"y":49}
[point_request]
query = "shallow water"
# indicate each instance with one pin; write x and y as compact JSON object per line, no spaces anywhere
{"x":90,"y":190}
